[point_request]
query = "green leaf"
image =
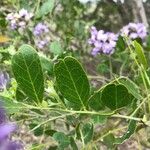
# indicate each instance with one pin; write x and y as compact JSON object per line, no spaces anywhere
{"x":131,"y":86}
{"x":47,"y":65}
{"x":11,"y":106}
{"x":148,"y":43}
{"x":62,"y":139}
{"x":95,"y":101}
{"x":116,"y":96}
{"x":73,"y":144}
{"x":109,"y":140}
{"x":72,"y":81}
{"x":87,"y":132}
{"x":98,"y":119}
{"x":140,"y":54}
{"x":120,"y":44}
{"x":21,"y":96}
{"x":127,"y":135}
{"x":37,"y":132}
{"x":28,"y":73}
{"x":46,"y":8}
{"x":56,"y":48}
{"x":102,"y":68}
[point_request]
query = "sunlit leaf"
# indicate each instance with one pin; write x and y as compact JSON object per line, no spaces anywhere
{"x":45,"y":8}
{"x":56,"y":48}
{"x":140,"y":54}
{"x":27,"y":70}
{"x":72,"y":81}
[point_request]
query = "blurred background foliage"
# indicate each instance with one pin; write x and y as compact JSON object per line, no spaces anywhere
{"x":70,"y":19}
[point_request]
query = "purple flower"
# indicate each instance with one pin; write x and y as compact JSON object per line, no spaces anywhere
{"x":134,"y":30}
{"x":19,"y":19}
{"x":41,"y":35}
{"x":41,"y":44}
{"x":4,"y":78}
{"x":23,"y":12}
{"x":10,"y":16}
{"x":5,"y":131}
{"x":103,"y":42}
{"x":40,"y":29}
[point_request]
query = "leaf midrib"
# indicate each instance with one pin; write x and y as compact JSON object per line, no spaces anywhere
{"x":74,"y":84}
{"x":30,"y":79}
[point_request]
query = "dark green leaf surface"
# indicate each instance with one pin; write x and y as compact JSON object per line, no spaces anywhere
{"x":131,"y":86}
{"x":73,"y":144}
{"x":95,"y":101}
{"x":127,"y":135}
{"x":62,"y":139}
{"x":72,"y":81}
{"x":87,"y":132}
{"x":27,"y":70}
{"x":121,"y":44}
{"x":116,"y":96}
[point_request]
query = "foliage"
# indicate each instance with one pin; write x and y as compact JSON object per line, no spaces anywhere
{"x":66,"y":97}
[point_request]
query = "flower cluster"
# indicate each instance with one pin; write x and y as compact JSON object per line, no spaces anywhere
{"x":103,"y":42}
{"x":19,"y":20}
{"x":41,"y":35}
{"x":4,"y":78}
{"x":134,"y":30}
{"x":6,"y":129}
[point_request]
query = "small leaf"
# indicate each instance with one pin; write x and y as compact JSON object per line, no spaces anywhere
{"x":87,"y":132}
{"x":102,"y":68}
{"x":131,"y":86}
{"x":73,"y":144}
{"x":47,"y":65}
{"x":95,"y":101}
{"x":37,"y":132}
{"x":127,"y":135}
{"x":116,"y":96}
{"x":27,"y":70}
{"x":72,"y":81}
{"x":140,"y":54}
{"x":46,"y":8}
{"x":120,"y":44}
{"x":62,"y":139}
{"x":56,"y":48}
{"x":109,"y":140}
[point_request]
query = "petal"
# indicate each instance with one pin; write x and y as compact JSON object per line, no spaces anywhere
{"x":2,"y":114}
{"x":12,"y":145}
{"x":6,"y":129}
